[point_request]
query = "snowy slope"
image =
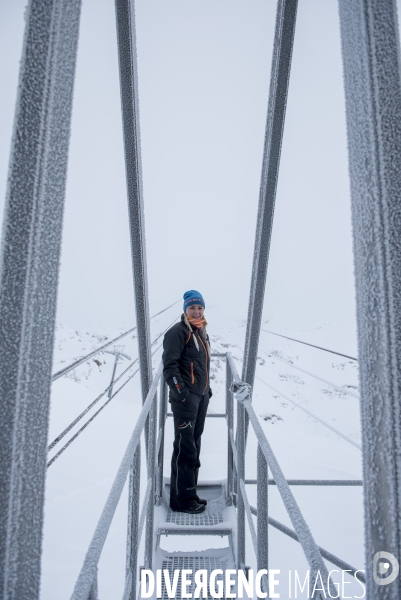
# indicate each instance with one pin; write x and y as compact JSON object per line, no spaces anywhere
{"x":79,"y":480}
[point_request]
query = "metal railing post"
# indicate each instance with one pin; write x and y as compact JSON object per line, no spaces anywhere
{"x":162,"y":425}
{"x":151,"y":477}
{"x":29,"y":257}
{"x":230,"y":426}
{"x":263,"y":512}
{"x":371,"y":61}
{"x":240,"y":442}
{"x":133,"y":519}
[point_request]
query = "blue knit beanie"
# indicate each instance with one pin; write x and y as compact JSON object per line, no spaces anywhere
{"x":193,"y":297}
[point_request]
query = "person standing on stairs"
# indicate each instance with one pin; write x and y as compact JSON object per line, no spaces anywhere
{"x":186,"y":362}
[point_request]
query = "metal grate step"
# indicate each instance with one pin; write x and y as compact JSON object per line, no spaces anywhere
{"x":194,"y":563}
{"x":211,"y":516}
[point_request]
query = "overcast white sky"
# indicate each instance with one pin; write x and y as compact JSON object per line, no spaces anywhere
{"x":204,"y":70}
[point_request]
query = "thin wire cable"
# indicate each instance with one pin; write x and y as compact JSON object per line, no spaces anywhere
{"x":79,"y":361}
{"x":92,"y":404}
{"x":333,"y":385}
{"x":312,"y":345}
{"x":342,"y":435}
{"x":95,"y":415}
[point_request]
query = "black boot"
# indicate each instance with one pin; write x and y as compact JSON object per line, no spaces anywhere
{"x":192,"y":507}
{"x":201,"y":500}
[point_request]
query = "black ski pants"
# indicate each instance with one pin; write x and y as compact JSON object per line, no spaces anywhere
{"x":185,"y":461}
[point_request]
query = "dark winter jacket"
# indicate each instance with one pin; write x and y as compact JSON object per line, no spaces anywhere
{"x":186,"y":361}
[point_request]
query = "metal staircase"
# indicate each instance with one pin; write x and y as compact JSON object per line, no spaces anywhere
{"x":29,"y":264}
{"x":219,"y":519}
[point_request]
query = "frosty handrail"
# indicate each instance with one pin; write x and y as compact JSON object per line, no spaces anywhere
{"x":303,"y":532}
{"x":88,"y":571}
{"x":312,"y":345}
{"x":338,"y":562}
{"x":83,"y":359}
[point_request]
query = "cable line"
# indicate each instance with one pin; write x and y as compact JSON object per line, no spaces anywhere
{"x":345,"y":437}
{"x":87,"y":409}
{"x":337,"y":387}
{"x":51,"y":461}
{"x":312,"y":345}
{"x":79,"y":361}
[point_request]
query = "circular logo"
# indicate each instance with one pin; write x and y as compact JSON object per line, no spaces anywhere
{"x":385,"y":568}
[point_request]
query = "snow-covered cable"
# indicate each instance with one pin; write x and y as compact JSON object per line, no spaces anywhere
{"x":83,"y":359}
{"x":51,"y":461}
{"x":333,"y":385}
{"x":312,"y":345}
{"x":96,"y":400}
{"x":345,"y":437}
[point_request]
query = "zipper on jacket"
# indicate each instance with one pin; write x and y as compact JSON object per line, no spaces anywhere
{"x":192,"y":373}
{"x":206,"y":357}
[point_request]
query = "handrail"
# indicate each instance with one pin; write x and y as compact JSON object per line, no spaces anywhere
{"x":302,"y":530}
{"x":314,"y":554}
{"x":318,"y":482}
{"x":338,"y":562}
{"x":88,"y":571}
{"x":83,"y":359}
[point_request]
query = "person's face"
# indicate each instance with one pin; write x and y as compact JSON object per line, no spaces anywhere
{"x":195,"y":311}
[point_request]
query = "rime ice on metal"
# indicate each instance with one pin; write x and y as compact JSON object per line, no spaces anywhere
{"x":370,"y":46}
{"x":279,"y":81}
{"x":125,"y":15}
{"x":28,"y":285}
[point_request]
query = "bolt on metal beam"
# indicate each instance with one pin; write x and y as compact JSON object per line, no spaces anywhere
{"x":279,"y":82}
{"x":29,"y":265}
{"x":371,"y":62}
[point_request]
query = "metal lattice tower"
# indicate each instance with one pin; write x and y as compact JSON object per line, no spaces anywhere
{"x":28,"y":290}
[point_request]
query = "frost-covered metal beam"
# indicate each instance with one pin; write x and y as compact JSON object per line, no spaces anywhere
{"x":125,"y":16}
{"x":279,"y":81}
{"x":370,"y":47}
{"x":29,"y":265}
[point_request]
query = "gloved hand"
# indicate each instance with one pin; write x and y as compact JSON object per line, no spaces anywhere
{"x":241,"y":390}
{"x":210,"y":393}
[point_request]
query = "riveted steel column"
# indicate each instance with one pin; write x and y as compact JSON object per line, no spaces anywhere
{"x":29,"y":264}
{"x":279,"y":80}
{"x":370,"y":47}
{"x":125,"y":15}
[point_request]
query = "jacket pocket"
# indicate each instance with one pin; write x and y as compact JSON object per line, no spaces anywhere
{"x":192,"y":373}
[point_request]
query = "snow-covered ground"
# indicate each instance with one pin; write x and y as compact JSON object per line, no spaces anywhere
{"x":79,"y":480}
